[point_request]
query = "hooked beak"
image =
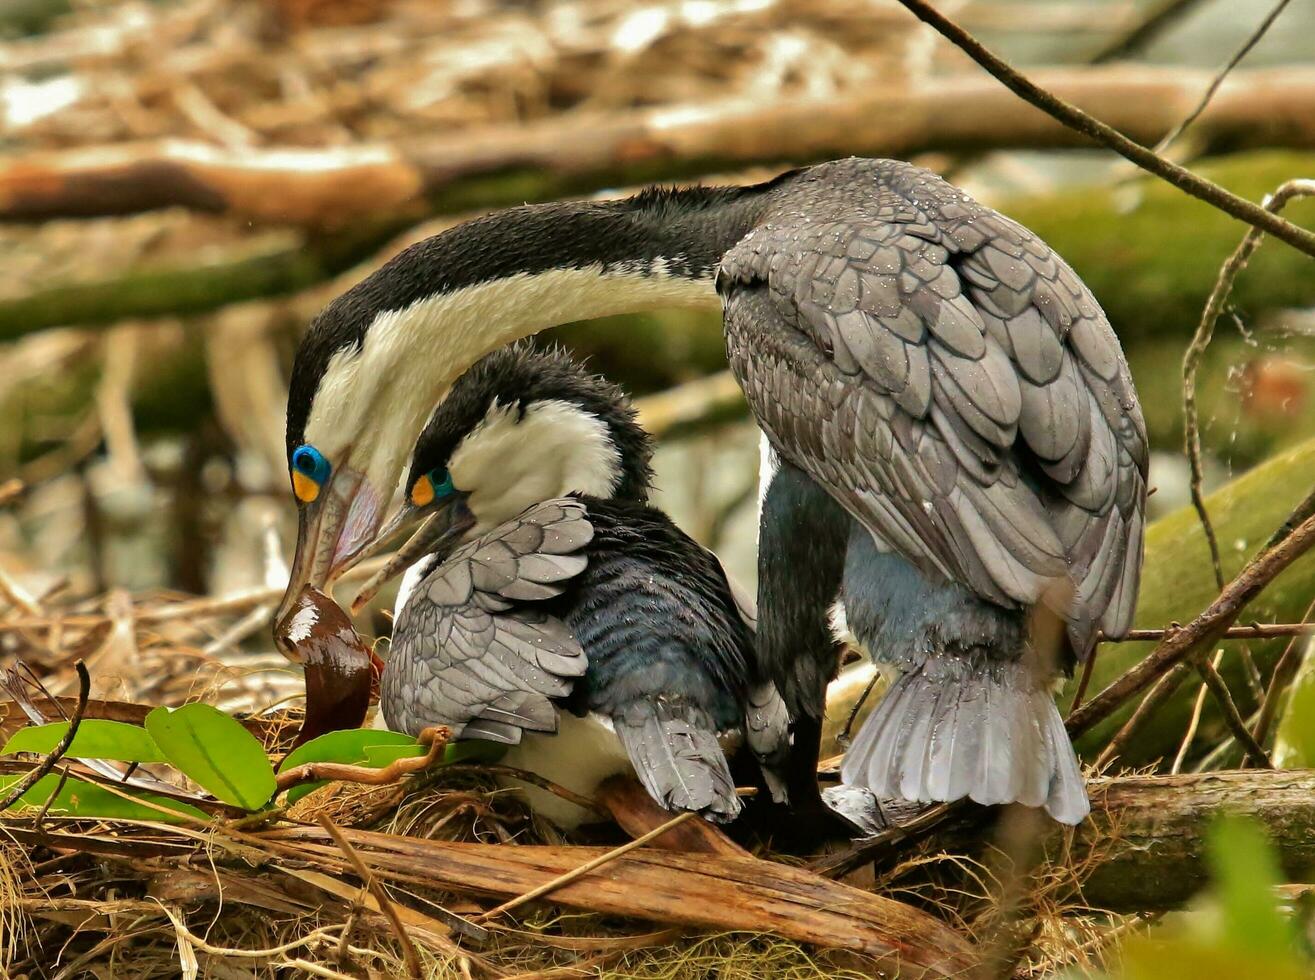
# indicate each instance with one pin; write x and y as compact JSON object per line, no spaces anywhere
{"x":444,"y":527}
{"x":332,"y":531}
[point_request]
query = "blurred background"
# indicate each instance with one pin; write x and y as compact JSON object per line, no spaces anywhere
{"x":184,"y":183}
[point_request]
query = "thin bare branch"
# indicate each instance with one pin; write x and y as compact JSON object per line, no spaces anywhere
{"x":1255,"y":631}
{"x":1261,"y":30}
{"x":380,"y":895}
{"x":1151,"y":25}
{"x":1074,"y":118}
{"x":1214,"y":306}
{"x":1284,"y":671}
{"x":1155,"y":697}
{"x":1203,"y":631}
{"x":49,"y":762}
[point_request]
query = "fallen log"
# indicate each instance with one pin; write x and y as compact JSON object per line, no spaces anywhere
{"x":1151,"y":267}
{"x":703,"y":890}
{"x":505,"y":165}
{"x":1147,"y":836}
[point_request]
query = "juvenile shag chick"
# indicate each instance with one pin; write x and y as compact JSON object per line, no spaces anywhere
{"x":565,"y":589}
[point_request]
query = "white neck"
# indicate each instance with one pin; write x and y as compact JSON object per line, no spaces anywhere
{"x":411,"y":356}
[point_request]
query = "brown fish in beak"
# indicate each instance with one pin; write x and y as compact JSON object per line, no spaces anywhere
{"x":342,"y":672}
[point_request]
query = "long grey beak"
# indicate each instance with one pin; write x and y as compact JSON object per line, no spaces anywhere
{"x":329,"y":532}
{"x":440,"y":533}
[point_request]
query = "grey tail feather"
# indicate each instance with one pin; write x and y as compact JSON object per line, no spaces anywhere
{"x":767,"y":733}
{"x":492,"y":731}
{"x":994,"y":737}
{"x":673,"y":746}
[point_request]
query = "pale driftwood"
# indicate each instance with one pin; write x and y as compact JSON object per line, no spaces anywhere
{"x":505,"y":165}
{"x":703,"y":890}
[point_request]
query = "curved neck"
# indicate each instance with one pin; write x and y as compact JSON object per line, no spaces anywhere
{"x":511,"y":274}
{"x":390,"y":347}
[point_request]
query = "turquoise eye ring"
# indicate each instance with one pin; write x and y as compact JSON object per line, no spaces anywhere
{"x":309,"y":471}
{"x":442,"y":481}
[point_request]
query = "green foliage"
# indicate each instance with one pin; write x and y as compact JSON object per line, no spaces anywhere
{"x":374,"y":748}
{"x":1239,"y":930}
{"x":79,"y":798}
{"x":1177,"y":583}
{"x":1294,"y":741}
{"x":348,"y":747}
{"x":1246,"y":873}
{"x":214,"y":751}
{"x":95,"y":739}
{"x":211,"y":749}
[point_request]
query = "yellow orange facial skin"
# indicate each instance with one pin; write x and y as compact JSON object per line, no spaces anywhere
{"x":306,"y":489}
{"x":422,"y":493}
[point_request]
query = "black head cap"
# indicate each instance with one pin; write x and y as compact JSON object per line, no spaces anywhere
{"x":520,"y":375}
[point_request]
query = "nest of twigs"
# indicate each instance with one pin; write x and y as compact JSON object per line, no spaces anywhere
{"x":330,"y":885}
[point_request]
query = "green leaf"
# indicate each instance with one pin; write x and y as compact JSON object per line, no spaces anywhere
{"x":376,"y":748}
{"x":1246,"y":875}
{"x":95,"y":739}
{"x":378,"y":756}
{"x":214,"y":751}
{"x":348,"y":746}
{"x":1294,"y":739}
{"x":79,"y":798}
{"x":474,"y":750}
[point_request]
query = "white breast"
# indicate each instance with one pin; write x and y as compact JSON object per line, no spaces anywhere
{"x":583,"y":753}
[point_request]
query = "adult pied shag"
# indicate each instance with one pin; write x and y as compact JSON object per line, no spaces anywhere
{"x":547,"y":580}
{"x":955,"y":445}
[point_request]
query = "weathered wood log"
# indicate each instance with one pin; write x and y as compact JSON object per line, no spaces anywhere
{"x":1147,"y":834}
{"x":704,"y":890}
{"x":505,"y":165}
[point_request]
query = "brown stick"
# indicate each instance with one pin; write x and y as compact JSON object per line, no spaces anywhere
{"x":380,"y":895}
{"x":1232,"y":717}
{"x":1157,"y":695}
{"x":437,"y":739}
{"x":702,"y":890}
{"x":49,"y":762}
{"x":1079,"y":121}
{"x":1284,"y":671}
{"x":1256,"y":631}
{"x":576,"y":873}
{"x":1207,"y":628}
{"x":565,"y":156}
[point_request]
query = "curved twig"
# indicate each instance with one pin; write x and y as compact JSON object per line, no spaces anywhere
{"x":1205,"y":629}
{"x":1079,"y":121}
{"x":437,"y":738}
{"x":1214,"y":306}
{"x":49,"y":762}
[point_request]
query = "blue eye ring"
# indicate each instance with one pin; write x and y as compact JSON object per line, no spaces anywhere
{"x":309,"y":472}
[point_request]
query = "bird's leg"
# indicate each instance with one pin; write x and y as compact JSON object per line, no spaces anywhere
{"x":801,"y":555}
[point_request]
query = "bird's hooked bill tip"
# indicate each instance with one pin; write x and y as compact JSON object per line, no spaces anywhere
{"x":438,"y":533}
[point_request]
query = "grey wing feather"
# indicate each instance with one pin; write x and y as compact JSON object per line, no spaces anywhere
{"x":468,"y":654}
{"x":953,"y":384}
{"x":672,"y":743}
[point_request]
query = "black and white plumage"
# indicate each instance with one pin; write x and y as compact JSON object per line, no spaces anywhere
{"x":924,"y":370}
{"x":596,"y":603}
